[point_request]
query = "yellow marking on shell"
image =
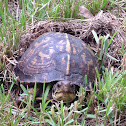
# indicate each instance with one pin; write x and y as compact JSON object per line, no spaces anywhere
{"x":68,"y":48}
{"x":61,"y":48}
{"x":45,"y":45}
{"x":73,"y":45}
{"x":34,"y":61}
{"x":84,"y":45}
{"x":31,"y":51}
{"x":36,"y":44}
{"x":60,"y":45}
{"x":88,"y":48}
{"x":63,"y":60}
{"x":60,"y":42}
{"x":81,"y":66}
{"x":31,"y":67}
{"x":83,"y":57}
{"x":74,"y":50}
{"x":90,"y":63}
{"x":42,"y":55}
{"x":51,"y":51}
{"x":73,"y":63}
{"x":68,"y":65}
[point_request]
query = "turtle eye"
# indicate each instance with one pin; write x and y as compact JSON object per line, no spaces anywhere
{"x":58,"y":85}
{"x":72,"y":86}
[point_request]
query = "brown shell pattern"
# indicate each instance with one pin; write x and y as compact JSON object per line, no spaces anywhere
{"x":56,"y":56}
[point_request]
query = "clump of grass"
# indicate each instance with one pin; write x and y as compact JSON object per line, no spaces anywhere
{"x":103,"y":43}
{"x":57,"y":114}
{"x":39,"y":10}
{"x":8,"y":111}
{"x":110,"y":98}
{"x":97,"y":5}
{"x":111,"y":86}
{"x":10,"y":30}
{"x":111,"y":94}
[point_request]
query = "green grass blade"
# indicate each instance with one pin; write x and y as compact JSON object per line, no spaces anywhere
{"x":44,"y":97}
{"x":34,"y":94}
{"x":62,"y":123}
{"x":69,"y":122}
{"x":109,"y":110}
{"x":95,"y":36}
{"x":99,"y":80}
{"x":98,"y":96}
{"x":110,"y":41}
{"x":111,"y":57}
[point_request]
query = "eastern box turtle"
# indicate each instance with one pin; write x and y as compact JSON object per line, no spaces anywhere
{"x":58,"y":59}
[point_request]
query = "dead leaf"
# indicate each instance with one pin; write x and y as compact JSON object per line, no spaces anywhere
{"x":85,"y":12}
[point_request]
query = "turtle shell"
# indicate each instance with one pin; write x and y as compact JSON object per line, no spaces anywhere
{"x":56,"y":56}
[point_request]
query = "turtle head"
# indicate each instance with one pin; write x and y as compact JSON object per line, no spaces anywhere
{"x":64,"y":90}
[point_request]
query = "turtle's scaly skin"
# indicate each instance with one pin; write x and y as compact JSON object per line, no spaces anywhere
{"x":57,"y":57}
